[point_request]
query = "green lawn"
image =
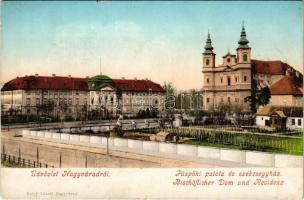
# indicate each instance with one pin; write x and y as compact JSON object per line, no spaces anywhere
{"x":292,"y":146}
{"x":234,"y":139}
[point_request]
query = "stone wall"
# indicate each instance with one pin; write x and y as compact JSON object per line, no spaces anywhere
{"x":65,"y":157}
{"x":182,"y":150}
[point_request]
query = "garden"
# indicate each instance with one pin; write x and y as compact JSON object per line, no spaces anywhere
{"x":247,"y":138}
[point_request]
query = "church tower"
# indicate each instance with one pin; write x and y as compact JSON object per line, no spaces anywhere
{"x":208,"y":55}
{"x":243,"y":51}
{"x":209,"y":75}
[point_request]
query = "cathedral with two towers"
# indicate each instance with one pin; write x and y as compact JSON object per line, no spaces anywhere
{"x":239,"y":76}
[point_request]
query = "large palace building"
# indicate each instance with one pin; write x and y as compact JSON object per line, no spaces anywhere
{"x":239,"y":76}
{"x":58,"y":95}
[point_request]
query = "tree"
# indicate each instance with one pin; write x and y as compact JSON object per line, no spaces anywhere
{"x":224,"y":108}
{"x":264,"y":96}
{"x":170,"y":101}
{"x":258,"y":98}
{"x":63,"y":107}
{"x":84,"y":112}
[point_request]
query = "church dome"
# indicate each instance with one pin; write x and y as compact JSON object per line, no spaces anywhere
{"x":99,"y":80}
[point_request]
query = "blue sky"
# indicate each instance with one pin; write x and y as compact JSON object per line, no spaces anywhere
{"x":162,"y":41}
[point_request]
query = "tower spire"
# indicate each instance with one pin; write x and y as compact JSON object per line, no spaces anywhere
{"x":243,"y":42}
{"x":208,"y":46}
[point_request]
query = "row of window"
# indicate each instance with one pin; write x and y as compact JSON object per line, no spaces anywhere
{"x":228,"y":100}
{"x":99,"y":99}
{"x":38,"y":92}
{"x":56,"y":101}
{"x":139,"y":94}
{"x":245,"y":58}
{"x":208,"y":62}
{"x":236,"y":79}
{"x":293,"y":122}
{"x":140,"y":102}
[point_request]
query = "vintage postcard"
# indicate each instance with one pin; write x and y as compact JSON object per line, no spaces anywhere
{"x":151,"y":100}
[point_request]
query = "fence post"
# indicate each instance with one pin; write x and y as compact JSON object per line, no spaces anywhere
{"x":37,"y":154}
{"x":60,"y":160}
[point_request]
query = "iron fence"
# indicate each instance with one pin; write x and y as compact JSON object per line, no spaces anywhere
{"x":22,"y":162}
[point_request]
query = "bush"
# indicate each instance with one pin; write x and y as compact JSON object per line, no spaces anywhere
{"x":153,"y":113}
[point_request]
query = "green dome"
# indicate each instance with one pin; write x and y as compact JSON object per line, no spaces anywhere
{"x":99,"y":80}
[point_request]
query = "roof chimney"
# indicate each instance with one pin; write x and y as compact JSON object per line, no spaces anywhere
{"x":123,"y":78}
{"x":135,"y":78}
{"x":288,"y":72}
{"x":36,"y":75}
{"x":53,"y":75}
{"x":69,"y":76}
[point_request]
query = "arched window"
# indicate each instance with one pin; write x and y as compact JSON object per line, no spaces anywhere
{"x":245,"y":57}
{"x":207,"y":61}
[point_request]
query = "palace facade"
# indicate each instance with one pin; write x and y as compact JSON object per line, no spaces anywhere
{"x":239,"y":76}
{"x":59,"y":96}
{"x":126,"y":96}
{"x":39,"y":95}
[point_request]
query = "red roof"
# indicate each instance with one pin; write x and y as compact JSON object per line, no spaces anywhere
{"x":71,"y":83}
{"x":275,"y":67}
{"x":46,"y":82}
{"x":137,"y":85}
{"x":287,"y":86}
